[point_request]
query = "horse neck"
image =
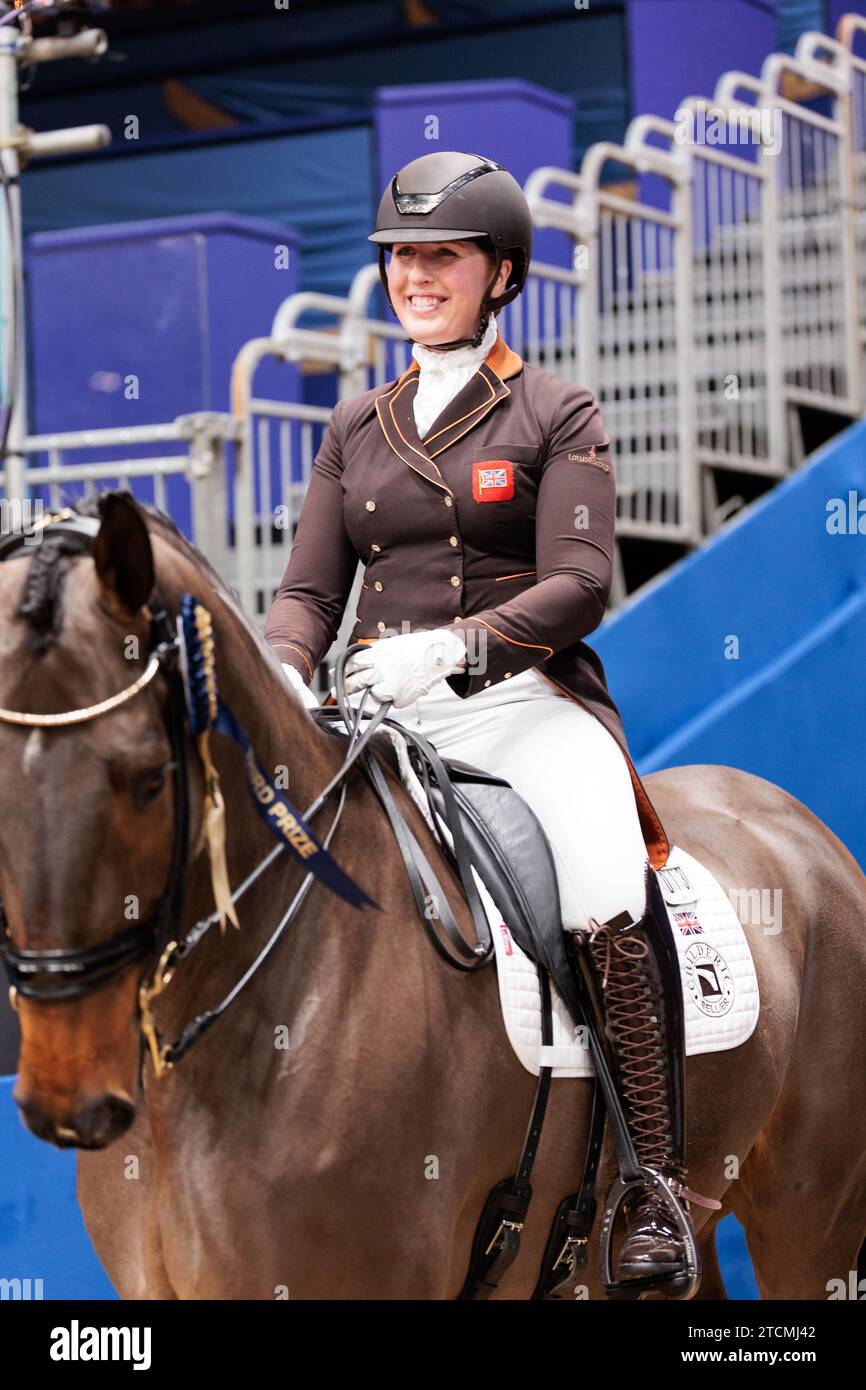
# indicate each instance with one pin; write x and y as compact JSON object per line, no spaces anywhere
{"x":318,"y":965}
{"x":282,"y":736}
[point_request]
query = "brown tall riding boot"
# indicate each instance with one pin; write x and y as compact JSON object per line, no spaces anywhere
{"x":641,"y":994}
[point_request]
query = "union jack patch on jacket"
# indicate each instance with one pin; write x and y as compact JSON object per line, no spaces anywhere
{"x":688,"y":923}
{"x":493,"y":481}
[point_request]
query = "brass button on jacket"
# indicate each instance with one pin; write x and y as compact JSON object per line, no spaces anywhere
{"x":522,"y":455}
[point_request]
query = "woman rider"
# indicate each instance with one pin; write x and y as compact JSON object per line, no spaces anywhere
{"x":460,"y":234}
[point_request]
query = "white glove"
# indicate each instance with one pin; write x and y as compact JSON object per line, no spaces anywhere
{"x":402,"y":668}
{"x":303,"y":690}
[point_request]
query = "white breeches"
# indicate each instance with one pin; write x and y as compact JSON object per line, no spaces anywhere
{"x":569,"y":769}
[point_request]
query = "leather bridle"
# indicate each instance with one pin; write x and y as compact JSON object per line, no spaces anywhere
{"x":68,"y":973}
{"x":55,"y":975}
{"x":51,"y":975}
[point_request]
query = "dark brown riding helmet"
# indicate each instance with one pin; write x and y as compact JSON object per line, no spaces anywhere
{"x":450,"y":196}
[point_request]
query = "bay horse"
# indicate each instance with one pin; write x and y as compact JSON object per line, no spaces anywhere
{"x":336,"y":1133}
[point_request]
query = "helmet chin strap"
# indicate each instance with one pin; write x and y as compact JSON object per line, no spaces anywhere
{"x":474,"y":341}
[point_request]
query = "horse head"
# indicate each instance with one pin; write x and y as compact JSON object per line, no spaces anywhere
{"x":88,"y":814}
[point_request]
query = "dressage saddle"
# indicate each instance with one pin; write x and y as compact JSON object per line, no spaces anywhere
{"x":513,"y":858}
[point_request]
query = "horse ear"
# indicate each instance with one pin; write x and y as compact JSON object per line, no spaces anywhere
{"x":122,"y":552}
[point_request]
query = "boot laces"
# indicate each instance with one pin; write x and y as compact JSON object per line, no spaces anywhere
{"x":635,"y":1025}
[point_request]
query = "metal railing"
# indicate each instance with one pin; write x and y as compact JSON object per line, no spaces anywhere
{"x":195,"y":484}
{"x":722,"y":290}
{"x":705,"y":301}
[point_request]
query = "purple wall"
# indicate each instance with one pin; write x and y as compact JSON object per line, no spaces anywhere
{"x":707,"y":40}
{"x":836,"y":8}
{"x":519,"y":124}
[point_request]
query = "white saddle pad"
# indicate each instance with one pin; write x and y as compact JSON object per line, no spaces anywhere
{"x":720,"y":987}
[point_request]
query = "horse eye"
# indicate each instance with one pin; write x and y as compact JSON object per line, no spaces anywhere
{"x":148,"y":785}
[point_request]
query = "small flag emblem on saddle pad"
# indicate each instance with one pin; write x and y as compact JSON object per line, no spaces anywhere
{"x":688,"y":923}
{"x":493,"y":481}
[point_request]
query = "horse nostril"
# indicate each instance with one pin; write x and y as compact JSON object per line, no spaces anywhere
{"x":99,"y":1121}
{"x":93,"y":1126}
{"x":36,"y":1120}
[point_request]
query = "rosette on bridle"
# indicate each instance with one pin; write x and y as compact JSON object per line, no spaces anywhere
{"x":207,"y":711}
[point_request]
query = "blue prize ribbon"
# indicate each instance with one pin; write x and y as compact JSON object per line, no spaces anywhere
{"x":282,"y":819}
{"x":286,"y":823}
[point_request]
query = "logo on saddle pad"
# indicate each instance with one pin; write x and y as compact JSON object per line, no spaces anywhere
{"x":710,"y":982}
{"x":493,"y":481}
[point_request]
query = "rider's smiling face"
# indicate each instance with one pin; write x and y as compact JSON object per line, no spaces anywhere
{"x":436,"y":287}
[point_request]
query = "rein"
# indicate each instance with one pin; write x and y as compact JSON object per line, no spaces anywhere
{"x":182,"y":650}
{"x":184,"y":654}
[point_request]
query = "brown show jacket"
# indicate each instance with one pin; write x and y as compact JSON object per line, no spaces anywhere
{"x":501,"y":522}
